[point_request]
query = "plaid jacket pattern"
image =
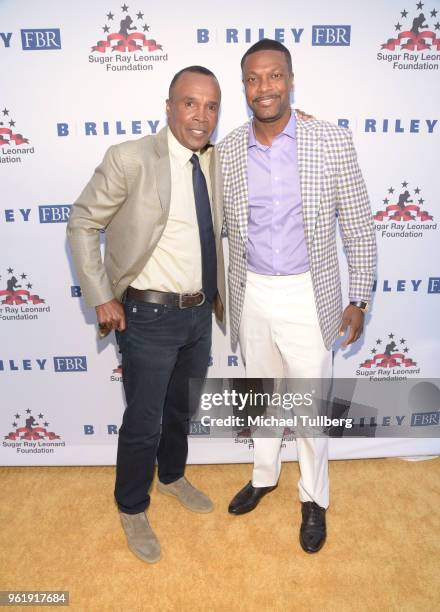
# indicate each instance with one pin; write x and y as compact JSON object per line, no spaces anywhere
{"x":332,"y":188}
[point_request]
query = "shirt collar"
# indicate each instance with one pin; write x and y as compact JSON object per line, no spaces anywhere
{"x":289,"y":130}
{"x":181,"y":154}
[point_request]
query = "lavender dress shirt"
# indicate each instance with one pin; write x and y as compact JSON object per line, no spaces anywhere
{"x":276,"y":239}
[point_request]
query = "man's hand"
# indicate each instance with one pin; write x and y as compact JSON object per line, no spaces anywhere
{"x":352,"y":317}
{"x":110,"y":316}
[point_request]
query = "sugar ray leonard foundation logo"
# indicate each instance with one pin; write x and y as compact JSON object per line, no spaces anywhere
{"x":127,"y":45}
{"x":31,"y":434}
{"x":415,"y":44}
{"x":404,"y":214}
{"x":18,"y":300}
{"x":12,"y":144}
{"x":390,"y":359}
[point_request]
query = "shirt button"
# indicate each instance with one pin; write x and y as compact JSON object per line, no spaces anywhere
{"x":242,"y":284}
{"x":276,"y":178}
{"x":277,"y":250}
{"x":278,"y":273}
{"x":277,"y":202}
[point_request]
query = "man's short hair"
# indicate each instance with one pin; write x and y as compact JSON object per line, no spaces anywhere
{"x":267,"y":44}
{"x":196,"y":69}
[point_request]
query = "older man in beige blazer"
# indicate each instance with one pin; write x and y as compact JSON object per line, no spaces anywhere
{"x":160,"y":204}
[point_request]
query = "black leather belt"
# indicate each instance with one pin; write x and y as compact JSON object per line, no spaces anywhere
{"x":178,"y":300}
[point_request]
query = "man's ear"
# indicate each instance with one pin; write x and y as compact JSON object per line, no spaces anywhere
{"x":167,"y":107}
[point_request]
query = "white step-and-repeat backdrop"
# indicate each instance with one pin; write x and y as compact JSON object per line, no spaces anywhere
{"x":80,"y":76}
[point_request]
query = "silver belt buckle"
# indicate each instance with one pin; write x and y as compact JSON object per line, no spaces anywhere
{"x":183,"y":295}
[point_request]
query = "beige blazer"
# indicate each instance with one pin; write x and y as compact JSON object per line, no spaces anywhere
{"x":128,"y":197}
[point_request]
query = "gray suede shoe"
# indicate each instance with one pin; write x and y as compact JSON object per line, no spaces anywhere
{"x":189,"y":496}
{"x":140,"y":537}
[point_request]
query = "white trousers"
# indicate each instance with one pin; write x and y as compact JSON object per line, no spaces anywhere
{"x":280,"y":337}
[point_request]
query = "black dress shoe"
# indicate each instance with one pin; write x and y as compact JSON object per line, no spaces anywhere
{"x":247,"y":499}
{"x":313,"y":530}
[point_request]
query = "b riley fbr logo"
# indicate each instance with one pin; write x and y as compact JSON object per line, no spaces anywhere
{"x":13,"y":145}
{"x":17,"y":298}
{"x":128,"y":45}
{"x":415,"y":44}
{"x":404,"y":213}
{"x":31,"y":434}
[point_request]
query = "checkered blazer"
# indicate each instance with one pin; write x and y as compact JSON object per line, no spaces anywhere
{"x":331,"y":187}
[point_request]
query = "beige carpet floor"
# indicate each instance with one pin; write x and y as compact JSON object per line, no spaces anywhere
{"x":60,"y":530}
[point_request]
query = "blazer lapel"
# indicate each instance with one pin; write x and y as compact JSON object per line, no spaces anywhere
{"x":217,"y":193}
{"x":310,"y":165}
{"x":240,"y":181}
{"x":163,"y":169}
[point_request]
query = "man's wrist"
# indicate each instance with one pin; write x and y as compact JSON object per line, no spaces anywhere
{"x":361,"y":304}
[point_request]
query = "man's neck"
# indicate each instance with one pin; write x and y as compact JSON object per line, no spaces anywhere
{"x":266,"y":132}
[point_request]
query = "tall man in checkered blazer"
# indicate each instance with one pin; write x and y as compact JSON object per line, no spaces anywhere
{"x":286,"y":181}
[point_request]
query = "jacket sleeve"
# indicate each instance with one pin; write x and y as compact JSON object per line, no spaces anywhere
{"x":356,"y":223}
{"x":98,"y":203}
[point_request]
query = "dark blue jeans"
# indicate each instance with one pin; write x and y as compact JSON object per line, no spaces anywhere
{"x":162,"y":348}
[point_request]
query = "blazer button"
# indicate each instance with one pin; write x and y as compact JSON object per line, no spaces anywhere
{"x":242,"y":284}
{"x":244,"y":255}
{"x":114,"y":283}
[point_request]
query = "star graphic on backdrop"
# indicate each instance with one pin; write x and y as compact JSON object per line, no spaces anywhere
{"x":378,"y":341}
{"x":28,"y":411}
{"x":404,"y":184}
{"x":40,"y":416}
{"x":390,"y":190}
{"x":14,"y":424}
{"x":386,"y":200}
{"x":12,"y":123}
{"x":140,"y":15}
{"x":17,"y":416}
{"x":434,"y":13}
{"x":404,"y":13}
{"x":437,"y":26}
{"x":402,"y":340}
{"x":421,"y":201}
{"x":417,"y":190}
{"x":124,"y":8}
{"x":110,"y":16}
{"x":373,"y":350}
{"x":29,"y":286}
{"x":46,"y":424}
{"x":5,"y":111}
{"x":420,"y":6}
{"x":10,"y":270}
{"x":23,"y":276}
{"x":106,"y":29}
{"x":398,"y":27}
{"x":406,"y":349}
{"x":390,"y":336}
{"x":146,"y":28}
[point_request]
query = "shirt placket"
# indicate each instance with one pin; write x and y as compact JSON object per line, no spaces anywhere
{"x":276,"y":192}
